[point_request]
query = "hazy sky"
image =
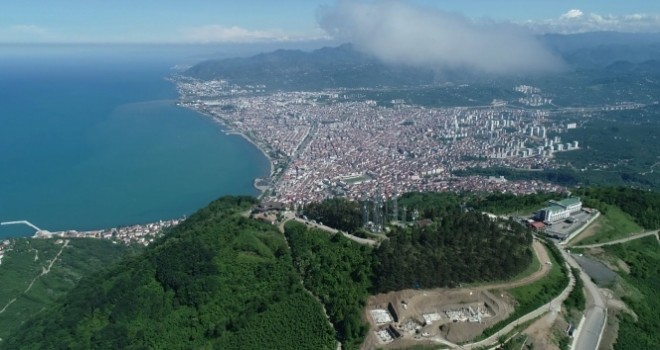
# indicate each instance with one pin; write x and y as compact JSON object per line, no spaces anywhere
{"x":200,"y":21}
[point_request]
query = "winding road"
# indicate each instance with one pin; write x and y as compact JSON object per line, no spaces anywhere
{"x":542,"y":255}
{"x":590,"y":331}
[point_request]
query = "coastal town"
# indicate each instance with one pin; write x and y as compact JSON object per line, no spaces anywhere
{"x":138,"y":234}
{"x":329,"y":143}
{"x":142,"y":234}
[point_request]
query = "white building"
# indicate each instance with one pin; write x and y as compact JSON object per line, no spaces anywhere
{"x":559,"y":210}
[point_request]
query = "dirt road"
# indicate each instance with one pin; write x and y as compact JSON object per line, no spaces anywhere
{"x":291,"y":216}
{"x":541,"y":254}
{"x":622,"y":240}
{"x":44,"y":271}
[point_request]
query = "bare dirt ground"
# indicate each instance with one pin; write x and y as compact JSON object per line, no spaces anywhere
{"x":411,"y":305}
{"x":589,"y":231}
{"x":611,"y":331}
{"x":541,"y":331}
{"x":419,"y":302}
{"x":614,"y":303}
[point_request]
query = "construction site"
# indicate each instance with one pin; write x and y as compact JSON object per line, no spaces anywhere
{"x":410,"y":317}
{"x":416,"y":317}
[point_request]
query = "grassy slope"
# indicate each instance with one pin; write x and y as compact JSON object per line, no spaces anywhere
{"x":614,"y":224}
{"x":542,"y":291}
{"x":641,"y":285}
{"x":534,"y":295}
{"x":19,"y":268}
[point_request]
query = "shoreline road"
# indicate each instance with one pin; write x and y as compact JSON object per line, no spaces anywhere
{"x":589,"y":333}
{"x":622,"y":240}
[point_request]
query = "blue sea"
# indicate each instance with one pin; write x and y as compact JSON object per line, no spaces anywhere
{"x":92,"y":139}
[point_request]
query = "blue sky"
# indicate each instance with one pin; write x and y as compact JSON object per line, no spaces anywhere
{"x":163,"y":21}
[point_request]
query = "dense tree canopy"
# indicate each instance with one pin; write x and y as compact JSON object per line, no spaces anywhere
{"x":338,"y":272}
{"x":455,"y":247}
{"x":642,"y":206}
{"x":508,"y":203}
{"x":428,"y":204}
{"x":219,"y":280}
{"x":338,"y":213}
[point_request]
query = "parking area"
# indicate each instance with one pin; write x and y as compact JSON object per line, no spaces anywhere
{"x":560,"y":230}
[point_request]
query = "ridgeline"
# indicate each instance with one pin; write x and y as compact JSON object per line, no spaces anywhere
{"x":221,"y":280}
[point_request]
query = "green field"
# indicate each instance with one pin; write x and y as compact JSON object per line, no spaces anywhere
{"x":357,"y":179}
{"x":542,"y":291}
{"x":641,"y":287}
{"x":613,"y":224}
{"x":25,"y":263}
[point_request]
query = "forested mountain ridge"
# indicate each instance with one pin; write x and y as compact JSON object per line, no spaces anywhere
{"x":328,"y":67}
{"x":218,"y":280}
{"x":346,"y":66}
{"x":221,"y":280}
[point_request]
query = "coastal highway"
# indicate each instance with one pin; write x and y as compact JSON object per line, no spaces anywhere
{"x":588,"y":334}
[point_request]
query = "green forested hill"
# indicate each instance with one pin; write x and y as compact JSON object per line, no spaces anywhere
{"x":454,"y":247}
{"x":218,"y":280}
{"x":223,"y":281}
{"x":338,"y":271}
{"x":26,"y":290}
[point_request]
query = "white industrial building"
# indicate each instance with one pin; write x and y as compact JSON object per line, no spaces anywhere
{"x":559,"y":210}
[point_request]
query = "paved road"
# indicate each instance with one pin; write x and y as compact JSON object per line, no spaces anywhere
{"x":590,"y":330}
{"x":623,"y":240}
{"x":588,"y":335}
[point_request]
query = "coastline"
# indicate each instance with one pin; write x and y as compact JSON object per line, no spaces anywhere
{"x":228,"y":130}
{"x":143,"y":234}
{"x":261,"y":149}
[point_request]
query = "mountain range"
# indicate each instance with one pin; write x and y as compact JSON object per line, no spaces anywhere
{"x":345,"y":66}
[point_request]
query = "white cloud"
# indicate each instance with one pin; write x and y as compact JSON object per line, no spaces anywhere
{"x":27,"y":29}
{"x":575,"y":21}
{"x":222,"y":34}
{"x":25,"y":33}
{"x":399,"y":32}
{"x":574,"y":13}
